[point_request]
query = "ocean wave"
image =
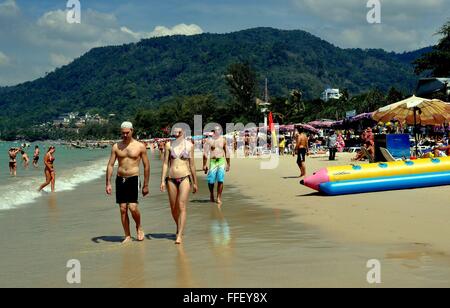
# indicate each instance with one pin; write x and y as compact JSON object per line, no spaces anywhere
{"x":25,"y":192}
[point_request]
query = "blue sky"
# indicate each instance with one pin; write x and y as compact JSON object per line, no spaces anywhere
{"x":35,"y":37}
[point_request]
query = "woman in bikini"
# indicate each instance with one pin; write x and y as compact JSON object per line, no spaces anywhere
{"x":50,"y":174}
{"x":13,"y":161}
{"x":178,"y":175}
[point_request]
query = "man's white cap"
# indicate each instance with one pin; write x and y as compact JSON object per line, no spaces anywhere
{"x":126,"y":125}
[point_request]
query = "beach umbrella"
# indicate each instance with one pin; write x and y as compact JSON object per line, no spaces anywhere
{"x":308,"y":127}
{"x":415,"y":110}
{"x":321,"y":124}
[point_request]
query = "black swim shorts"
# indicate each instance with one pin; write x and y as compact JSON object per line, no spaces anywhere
{"x":301,"y":156}
{"x":127,"y":190}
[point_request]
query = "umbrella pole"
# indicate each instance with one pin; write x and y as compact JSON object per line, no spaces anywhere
{"x":415,"y":131}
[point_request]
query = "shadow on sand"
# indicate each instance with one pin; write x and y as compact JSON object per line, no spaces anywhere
{"x":316,"y":193}
{"x":200,"y":201}
{"x":110,"y":239}
{"x":162,"y":236}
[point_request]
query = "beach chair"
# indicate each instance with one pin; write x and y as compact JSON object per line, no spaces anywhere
{"x":388,"y":156}
{"x":367,"y":154}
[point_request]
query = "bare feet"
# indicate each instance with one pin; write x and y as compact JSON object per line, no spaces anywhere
{"x":219,"y":201}
{"x":127,"y":240}
{"x":140,"y":235}
{"x":212,"y":199}
{"x":179,"y":240}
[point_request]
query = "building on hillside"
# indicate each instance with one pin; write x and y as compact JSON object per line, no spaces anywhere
{"x":330,"y":94}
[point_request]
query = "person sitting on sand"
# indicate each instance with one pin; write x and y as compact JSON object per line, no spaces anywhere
{"x":129,"y":153}
{"x":178,"y":175}
{"x":13,"y":161}
{"x":362,"y":155}
{"x":438,"y":152}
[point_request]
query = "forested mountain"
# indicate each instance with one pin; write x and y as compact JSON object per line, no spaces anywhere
{"x":123,"y":79}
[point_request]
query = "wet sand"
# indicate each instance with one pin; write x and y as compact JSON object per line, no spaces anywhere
{"x":270,"y":232}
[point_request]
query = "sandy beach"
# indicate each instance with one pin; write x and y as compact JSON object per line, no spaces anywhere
{"x":271,"y":232}
{"x":418,"y":216}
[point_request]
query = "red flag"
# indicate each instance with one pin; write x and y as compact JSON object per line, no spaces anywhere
{"x":272,"y":130}
{"x":271,"y":124}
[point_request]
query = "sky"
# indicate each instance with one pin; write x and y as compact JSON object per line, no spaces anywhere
{"x":36,"y":37}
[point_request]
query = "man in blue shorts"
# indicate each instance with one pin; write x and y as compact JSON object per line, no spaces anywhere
{"x":216,"y":150}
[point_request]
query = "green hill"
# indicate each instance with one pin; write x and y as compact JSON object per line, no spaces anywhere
{"x":122,"y":79}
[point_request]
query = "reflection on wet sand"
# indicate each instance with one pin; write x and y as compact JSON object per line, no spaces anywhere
{"x":132,"y":274}
{"x":53,"y":210}
{"x":184,"y":270}
{"x":222,"y":242}
{"x":418,"y":255}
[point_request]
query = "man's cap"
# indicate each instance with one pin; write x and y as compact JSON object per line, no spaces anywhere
{"x":126,"y":125}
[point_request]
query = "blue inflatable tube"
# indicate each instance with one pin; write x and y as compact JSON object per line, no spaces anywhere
{"x":386,"y":183}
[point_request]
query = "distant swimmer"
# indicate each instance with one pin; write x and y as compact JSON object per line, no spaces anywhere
{"x":36,"y":156}
{"x":50,"y":174}
{"x":302,"y":149}
{"x":217,"y":152}
{"x":129,"y":153}
{"x":178,"y":176}
{"x":13,"y":161}
{"x":25,"y":158}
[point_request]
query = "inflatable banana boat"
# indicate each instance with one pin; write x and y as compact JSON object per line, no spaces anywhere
{"x":397,"y":175}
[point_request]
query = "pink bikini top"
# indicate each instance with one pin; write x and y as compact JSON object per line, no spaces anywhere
{"x":183,"y":155}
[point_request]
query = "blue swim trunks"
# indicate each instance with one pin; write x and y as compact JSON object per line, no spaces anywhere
{"x":217,"y":170}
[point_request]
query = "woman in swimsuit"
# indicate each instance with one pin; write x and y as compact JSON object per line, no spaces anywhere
{"x":178,"y":175}
{"x":50,"y":174}
{"x":12,"y":161}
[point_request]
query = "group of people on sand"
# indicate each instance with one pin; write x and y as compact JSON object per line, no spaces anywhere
{"x":178,"y":175}
{"x":49,"y":169}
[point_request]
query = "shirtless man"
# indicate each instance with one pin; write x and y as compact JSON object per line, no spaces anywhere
{"x":301,"y":149}
{"x":129,"y":153}
{"x":216,"y":149}
{"x":36,"y":156}
{"x":13,"y":161}
{"x":247,"y":144}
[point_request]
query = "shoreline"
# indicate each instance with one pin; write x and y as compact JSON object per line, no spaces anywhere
{"x":263,"y":238}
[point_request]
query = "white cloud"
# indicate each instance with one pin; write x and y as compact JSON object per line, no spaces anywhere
{"x":181,"y":29}
{"x":42,"y":44}
{"x":9,"y":8}
{"x":405,"y":24}
{"x":4,"y":60}
{"x":58,"y":60}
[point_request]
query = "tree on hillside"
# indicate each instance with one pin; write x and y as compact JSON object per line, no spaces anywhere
{"x":242,"y":84}
{"x":437,"y":62}
{"x":394,"y":96}
{"x":375,"y":99}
